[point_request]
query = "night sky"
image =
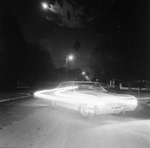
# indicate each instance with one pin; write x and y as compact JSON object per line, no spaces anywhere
{"x":57,"y":31}
{"x":68,"y":21}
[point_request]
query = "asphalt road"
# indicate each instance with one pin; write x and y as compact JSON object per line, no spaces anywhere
{"x":33,"y":123}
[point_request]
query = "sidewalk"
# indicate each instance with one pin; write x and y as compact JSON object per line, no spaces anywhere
{"x":7,"y":96}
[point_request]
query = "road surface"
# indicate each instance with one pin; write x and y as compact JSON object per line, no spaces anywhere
{"x":33,"y":123}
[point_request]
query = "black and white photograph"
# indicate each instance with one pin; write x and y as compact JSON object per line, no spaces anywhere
{"x":74,"y":74}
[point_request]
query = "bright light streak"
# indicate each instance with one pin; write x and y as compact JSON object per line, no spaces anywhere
{"x":58,"y":92}
{"x":53,"y":93}
{"x":61,"y":94}
{"x":40,"y":94}
{"x":69,"y":95}
{"x":75,"y":96}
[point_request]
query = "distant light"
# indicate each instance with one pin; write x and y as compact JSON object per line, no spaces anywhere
{"x":45,"y":5}
{"x":83,"y":73}
{"x":87,"y":77}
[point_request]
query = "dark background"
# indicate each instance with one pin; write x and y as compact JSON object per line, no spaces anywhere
{"x":113,"y":35}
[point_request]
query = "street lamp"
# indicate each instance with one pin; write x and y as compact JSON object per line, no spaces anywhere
{"x":68,"y":58}
{"x":87,"y":77}
{"x":83,"y":73}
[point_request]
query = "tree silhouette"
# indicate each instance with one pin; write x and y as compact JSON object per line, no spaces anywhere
{"x":122,"y":51}
{"x":76,"y":47}
{"x":13,"y":51}
{"x":41,"y":67}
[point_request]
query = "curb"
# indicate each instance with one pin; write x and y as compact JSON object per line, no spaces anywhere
{"x":10,"y":99}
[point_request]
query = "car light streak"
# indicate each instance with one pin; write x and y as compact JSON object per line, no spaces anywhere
{"x":40,"y":94}
{"x":61,"y":94}
{"x":71,"y":97}
{"x":58,"y":92}
{"x":75,"y":95}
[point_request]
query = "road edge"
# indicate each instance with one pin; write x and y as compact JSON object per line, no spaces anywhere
{"x":11,"y":99}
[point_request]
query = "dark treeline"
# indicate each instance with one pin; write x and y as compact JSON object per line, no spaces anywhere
{"x":27,"y":64}
{"x":71,"y":74}
{"x":21,"y":62}
{"x":123,"y":49}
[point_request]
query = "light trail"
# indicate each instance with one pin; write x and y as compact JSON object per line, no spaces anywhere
{"x":40,"y":94}
{"x":100,"y":103}
{"x":55,"y":93}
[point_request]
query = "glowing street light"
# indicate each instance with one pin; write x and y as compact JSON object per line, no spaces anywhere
{"x":83,"y":73}
{"x":87,"y":77}
{"x":68,"y":58}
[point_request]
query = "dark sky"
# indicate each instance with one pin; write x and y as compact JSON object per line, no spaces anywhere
{"x":58,"y":29}
{"x":68,"y":21}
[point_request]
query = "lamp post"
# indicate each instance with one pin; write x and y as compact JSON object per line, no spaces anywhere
{"x":68,"y":58}
{"x":83,"y":73}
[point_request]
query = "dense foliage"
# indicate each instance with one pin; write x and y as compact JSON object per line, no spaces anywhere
{"x":21,"y":62}
{"x":123,"y":48}
{"x":40,"y":65}
{"x":70,"y":74}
